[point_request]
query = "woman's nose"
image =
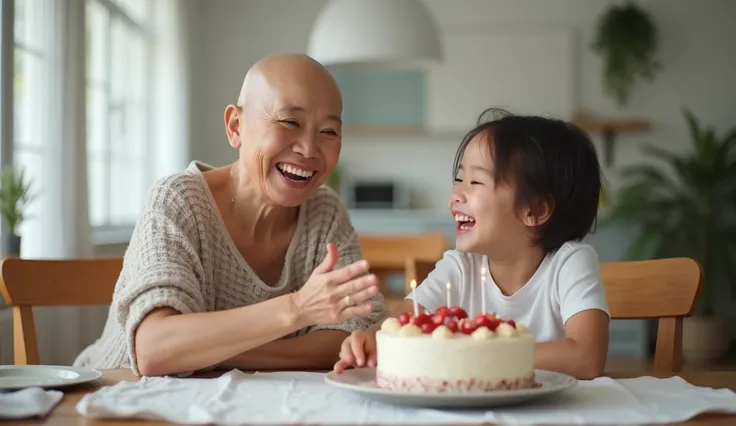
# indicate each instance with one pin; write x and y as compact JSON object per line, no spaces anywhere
{"x":306,"y":147}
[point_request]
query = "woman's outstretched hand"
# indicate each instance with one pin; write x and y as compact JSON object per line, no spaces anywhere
{"x":331,"y":296}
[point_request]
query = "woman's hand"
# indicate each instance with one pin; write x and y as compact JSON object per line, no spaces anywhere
{"x":358,"y":350}
{"x":332,"y":296}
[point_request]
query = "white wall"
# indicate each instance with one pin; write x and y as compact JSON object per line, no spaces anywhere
{"x":699,"y":71}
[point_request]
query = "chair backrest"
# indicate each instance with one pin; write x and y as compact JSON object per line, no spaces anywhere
{"x":27,"y":283}
{"x":666,"y":289}
{"x":391,"y":251}
{"x":417,"y":269}
{"x":388,"y":254}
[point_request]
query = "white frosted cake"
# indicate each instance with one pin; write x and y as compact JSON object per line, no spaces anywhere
{"x":447,"y":352}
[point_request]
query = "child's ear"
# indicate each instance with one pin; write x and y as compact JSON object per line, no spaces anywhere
{"x":538,"y":213}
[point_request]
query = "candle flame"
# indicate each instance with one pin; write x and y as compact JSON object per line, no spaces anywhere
{"x":447,"y":286}
{"x":413,"y":284}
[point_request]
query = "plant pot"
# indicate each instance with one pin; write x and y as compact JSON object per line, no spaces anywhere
{"x":10,"y":245}
{"x":704,"y":340}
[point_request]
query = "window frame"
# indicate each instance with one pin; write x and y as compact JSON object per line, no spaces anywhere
{"x":110,"y":233}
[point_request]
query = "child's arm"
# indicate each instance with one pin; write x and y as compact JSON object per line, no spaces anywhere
{"x":584,"y":311}
{"x":582,"y":353}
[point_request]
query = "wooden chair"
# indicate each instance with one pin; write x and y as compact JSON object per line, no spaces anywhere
{"x":389,"y":253}
{"x":417,"y":269}
{"x":27,"y":283}
{"x":665,"y":289}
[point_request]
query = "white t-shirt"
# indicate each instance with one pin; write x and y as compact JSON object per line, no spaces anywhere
{"x":567,"y":281}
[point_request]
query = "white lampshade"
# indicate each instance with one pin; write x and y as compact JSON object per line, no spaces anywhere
{"x":367,"y":34}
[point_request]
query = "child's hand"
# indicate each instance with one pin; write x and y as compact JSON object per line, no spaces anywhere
{"x":358,"y":350}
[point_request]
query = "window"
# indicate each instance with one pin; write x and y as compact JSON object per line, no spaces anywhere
{"x":31,"y":83}
{"x":119,"y":74}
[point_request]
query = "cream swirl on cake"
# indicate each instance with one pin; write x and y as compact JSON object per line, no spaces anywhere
{"x":448,"y":352}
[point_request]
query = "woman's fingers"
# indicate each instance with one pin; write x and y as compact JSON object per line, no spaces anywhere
{"x":355,"y":287}
{"x":329,"y":261}
{"x":363,"y":295}
{"x":347,"y":273}
{"x":357,"y":311}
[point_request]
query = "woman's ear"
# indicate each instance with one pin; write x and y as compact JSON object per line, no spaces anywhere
{"x":232,"y":125}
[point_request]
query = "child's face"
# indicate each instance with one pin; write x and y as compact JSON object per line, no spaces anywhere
{"x":487,"y":220}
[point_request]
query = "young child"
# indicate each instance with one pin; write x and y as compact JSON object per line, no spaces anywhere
{"x":525,"y":194}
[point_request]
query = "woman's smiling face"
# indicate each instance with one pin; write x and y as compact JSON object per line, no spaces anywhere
{"x":287,"y":129}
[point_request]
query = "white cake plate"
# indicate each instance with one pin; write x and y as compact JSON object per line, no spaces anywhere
{"x":15,"y":377}
{"x":362,"y":381}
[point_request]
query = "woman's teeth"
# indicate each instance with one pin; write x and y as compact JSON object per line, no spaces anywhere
{"x":294,"y":172}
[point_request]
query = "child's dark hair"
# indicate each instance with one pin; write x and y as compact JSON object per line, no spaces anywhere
{"x":546,"y":160}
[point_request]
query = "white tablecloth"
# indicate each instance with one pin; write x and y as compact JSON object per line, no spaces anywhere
{"x":297,"y":397}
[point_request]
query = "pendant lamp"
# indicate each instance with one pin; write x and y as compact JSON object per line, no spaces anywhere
{"x":370,"y":34}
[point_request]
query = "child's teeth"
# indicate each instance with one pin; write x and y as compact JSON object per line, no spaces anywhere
{"x":463,"y":218}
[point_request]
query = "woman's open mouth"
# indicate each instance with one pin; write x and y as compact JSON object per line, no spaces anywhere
{"x":294,"y":173}
{"x":464,"y":222}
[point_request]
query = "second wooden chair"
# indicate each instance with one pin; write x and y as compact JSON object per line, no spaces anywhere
{"x":665,"y":289}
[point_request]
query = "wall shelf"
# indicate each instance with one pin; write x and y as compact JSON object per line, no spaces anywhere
{"x":398,"y":131}
{"x":610,"y":129}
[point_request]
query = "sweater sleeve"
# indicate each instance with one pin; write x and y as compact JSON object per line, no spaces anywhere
{"x":161,"y":268}
{"x":342,"y":233}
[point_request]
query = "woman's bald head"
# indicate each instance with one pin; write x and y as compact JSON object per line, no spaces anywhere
{"x":284,"y":73}
{"x":288,"y":113}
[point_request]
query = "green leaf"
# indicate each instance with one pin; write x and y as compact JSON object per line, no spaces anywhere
{"x":685,"y":205}
{"x":645,"y":246}
{"x":14,"y":197}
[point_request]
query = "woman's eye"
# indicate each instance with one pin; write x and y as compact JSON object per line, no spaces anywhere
{"x":475,"y":182}
{"x":331,"y":132}
{"x":290,"y":122}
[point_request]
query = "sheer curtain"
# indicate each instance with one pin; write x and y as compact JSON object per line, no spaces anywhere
{"x":51,"y":143}
{"x":50,"y":147}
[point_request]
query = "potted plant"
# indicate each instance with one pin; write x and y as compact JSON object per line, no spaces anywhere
{"x":14,"y":197}
{"x":335,"y":179}
{"x":688,"y":208}
{"x":627,"y":40}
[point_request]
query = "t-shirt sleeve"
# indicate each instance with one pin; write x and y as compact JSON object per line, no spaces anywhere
{"x":432,"y":292}
{"x":580,"y":284}
{"x":161,"y":268}
{"x":342,"y":233}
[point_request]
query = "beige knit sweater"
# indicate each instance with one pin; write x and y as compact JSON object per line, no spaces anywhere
{"x":180,"y":255}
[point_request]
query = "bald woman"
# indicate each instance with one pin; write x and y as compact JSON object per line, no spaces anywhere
{"x":254,"y":265}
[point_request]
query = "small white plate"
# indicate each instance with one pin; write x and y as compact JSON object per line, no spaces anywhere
{"x":14,"y":377}
{"x":362,"y":381}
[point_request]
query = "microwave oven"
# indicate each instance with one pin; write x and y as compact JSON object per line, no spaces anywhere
{"x":376,"y":194}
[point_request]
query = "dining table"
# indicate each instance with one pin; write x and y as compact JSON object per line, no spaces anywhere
{"x":65,"y":413}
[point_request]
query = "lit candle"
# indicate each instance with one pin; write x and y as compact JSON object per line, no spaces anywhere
{"x":483,"y":290}
{"x":447,"y":286}
{"x":413,"y":286}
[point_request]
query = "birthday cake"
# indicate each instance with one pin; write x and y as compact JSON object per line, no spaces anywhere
{"x":448,"y":352}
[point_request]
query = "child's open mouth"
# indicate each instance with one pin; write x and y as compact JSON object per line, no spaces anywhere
{"x":464,"y":222}
{"x":294,"y":173}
